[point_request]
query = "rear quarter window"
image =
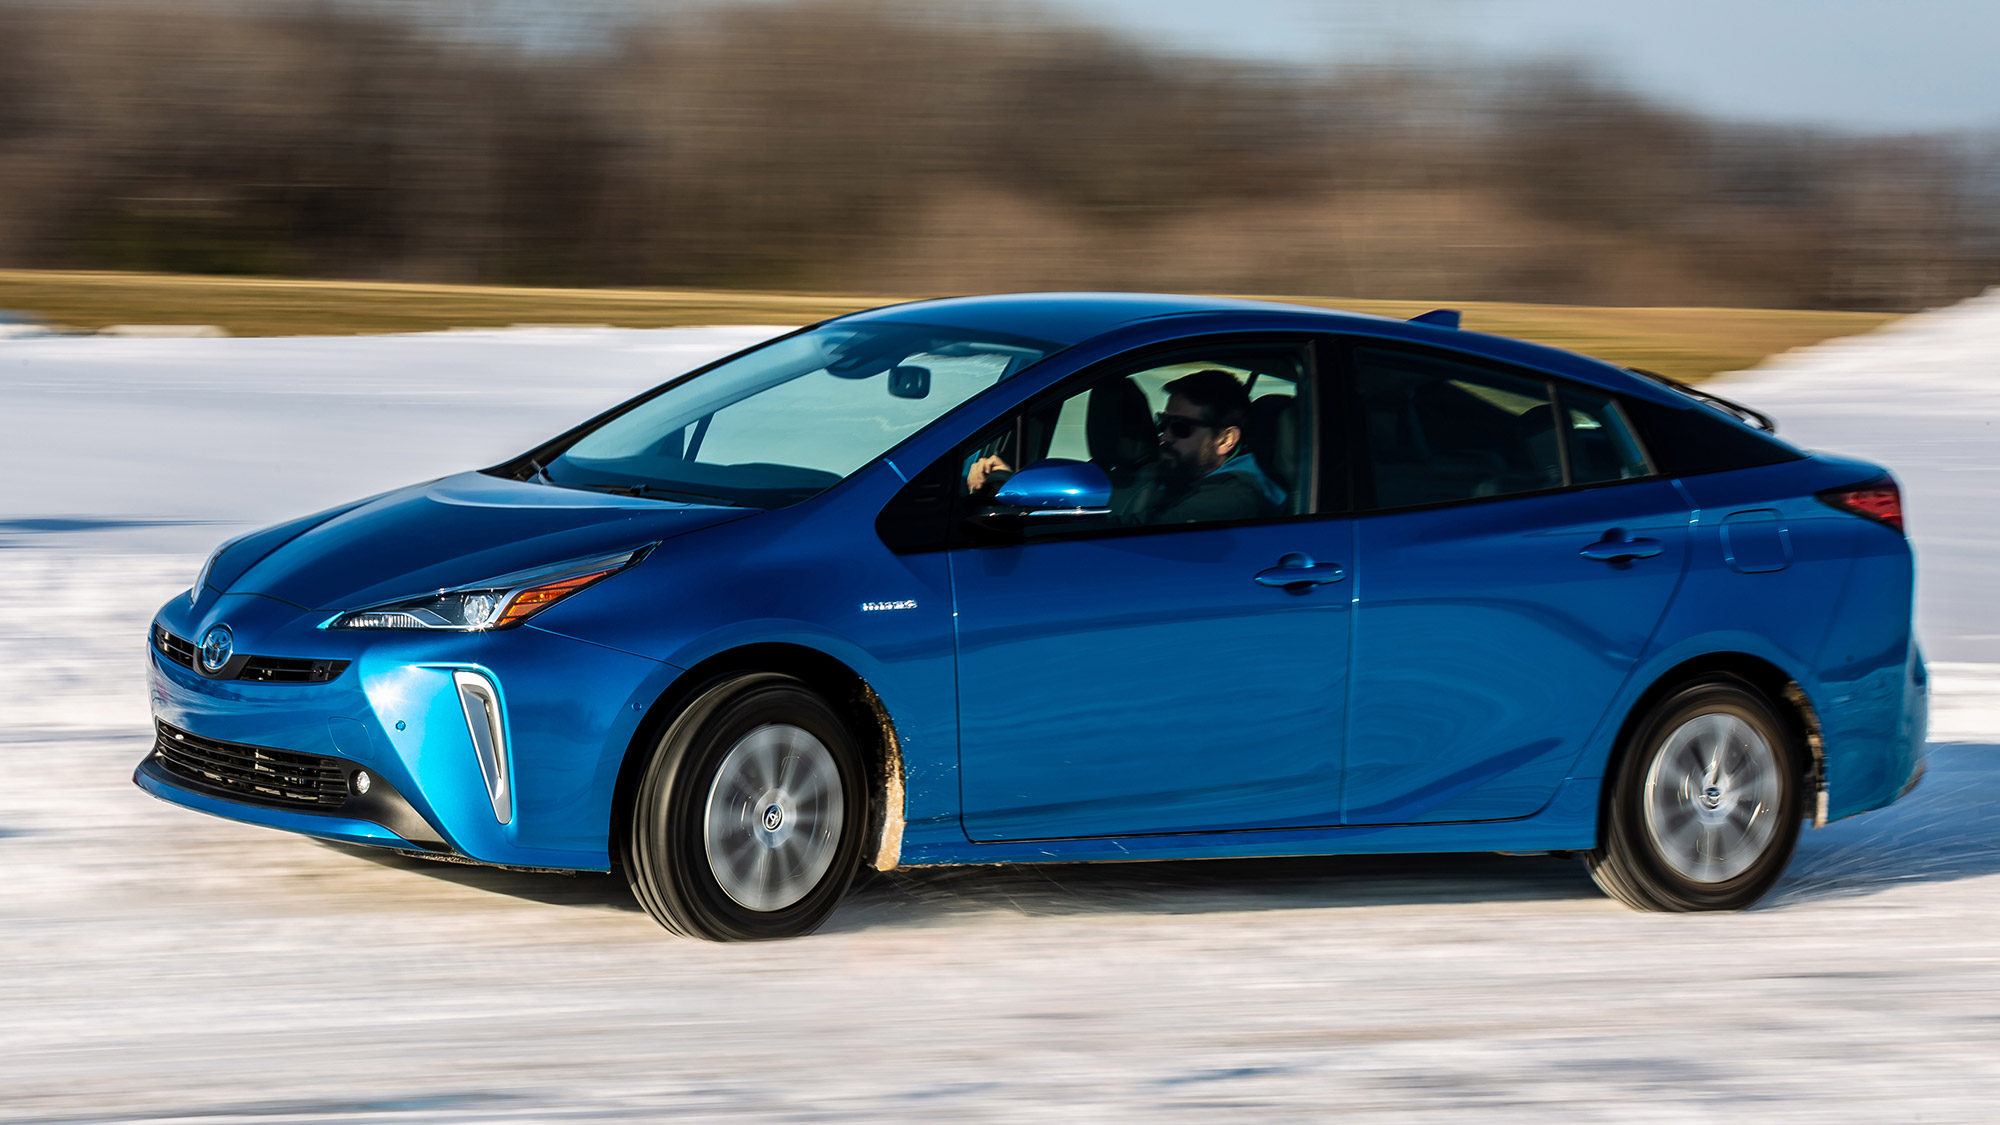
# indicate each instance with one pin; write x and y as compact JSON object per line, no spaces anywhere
{"x":1685,"y":442}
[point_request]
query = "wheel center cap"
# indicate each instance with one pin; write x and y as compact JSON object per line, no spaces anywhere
{"x":774,"y":818}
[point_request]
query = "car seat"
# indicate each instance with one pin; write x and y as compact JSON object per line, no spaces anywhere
{"x":1118,"y":430}
{"x":1274,"y":440}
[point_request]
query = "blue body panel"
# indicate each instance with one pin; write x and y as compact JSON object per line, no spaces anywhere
{"x":1463,"y":689}
{"x":1146,"y":684}
{"x":1835,"y":615}
{"x":1568,"y":822}
{"x":1487,"y":649}
{"x":801,"y":576}
{"x":461,"y":528}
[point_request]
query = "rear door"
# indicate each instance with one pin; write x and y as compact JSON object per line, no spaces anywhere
{"x":1515,"y":554}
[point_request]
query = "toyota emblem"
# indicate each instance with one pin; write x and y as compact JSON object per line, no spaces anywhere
{"x":217,"y":646}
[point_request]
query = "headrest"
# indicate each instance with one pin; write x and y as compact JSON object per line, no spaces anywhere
{"x":1274,"y":438}
{"x":1118,"y":425}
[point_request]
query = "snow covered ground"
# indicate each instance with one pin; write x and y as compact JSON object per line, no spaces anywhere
{"x":157,"y":965}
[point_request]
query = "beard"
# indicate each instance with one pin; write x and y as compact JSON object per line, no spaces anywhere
{"x":1177,"y":470}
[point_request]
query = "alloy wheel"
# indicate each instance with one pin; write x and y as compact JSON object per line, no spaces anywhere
{"x":1711,"y":798}
{"x":773,"y":819}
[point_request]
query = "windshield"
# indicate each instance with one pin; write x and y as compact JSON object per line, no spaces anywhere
{"x":791,"y":419}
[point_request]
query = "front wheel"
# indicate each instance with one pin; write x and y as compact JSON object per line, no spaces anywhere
{"x":1704,"y":811}
{"x":747,"y":822}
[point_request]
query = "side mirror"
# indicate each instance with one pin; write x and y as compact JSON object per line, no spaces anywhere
{"x":907,"y":380}
{"x":1056,"y":487}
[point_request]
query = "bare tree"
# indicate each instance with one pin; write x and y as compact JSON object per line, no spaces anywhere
{"x":890,"y":146}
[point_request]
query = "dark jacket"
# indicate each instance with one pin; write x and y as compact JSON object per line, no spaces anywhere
{"x":1235,"y":490}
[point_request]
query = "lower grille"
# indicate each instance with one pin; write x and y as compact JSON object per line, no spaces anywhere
{"x":256,"y":773}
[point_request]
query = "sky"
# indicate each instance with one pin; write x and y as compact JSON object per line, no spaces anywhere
{"x":1865,"y":65}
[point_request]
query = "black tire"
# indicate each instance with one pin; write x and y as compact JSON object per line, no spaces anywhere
{"x":688,"y":826}
{"x":1676,"y":837}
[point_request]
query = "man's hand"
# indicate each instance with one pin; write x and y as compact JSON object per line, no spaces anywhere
{"x":975,"y":478}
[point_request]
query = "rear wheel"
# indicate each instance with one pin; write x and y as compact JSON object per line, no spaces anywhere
{"x":747,"y":822}
{"x":1704,"y":810}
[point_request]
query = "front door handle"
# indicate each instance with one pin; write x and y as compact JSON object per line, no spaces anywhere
{"x":1615,"y":548}
{"x":1298,"y":573}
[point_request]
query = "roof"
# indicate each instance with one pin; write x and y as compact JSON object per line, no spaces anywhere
{"x":1072,"y":318}
{"x":1068,"y":318}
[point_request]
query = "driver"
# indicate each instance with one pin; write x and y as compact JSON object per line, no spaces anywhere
{"x":1203,"y":474}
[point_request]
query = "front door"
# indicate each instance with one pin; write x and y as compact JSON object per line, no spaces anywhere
{"x":1155,"y":673}
{"x":1148,"y":684}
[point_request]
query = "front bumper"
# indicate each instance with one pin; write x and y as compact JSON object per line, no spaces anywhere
{"x":320,"y":789}
{"x":368,"y":822}
{"x":569,"y":709}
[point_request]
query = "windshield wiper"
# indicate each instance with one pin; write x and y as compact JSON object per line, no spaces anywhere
{"x":642,"y":490}
{"x":661,"y":491}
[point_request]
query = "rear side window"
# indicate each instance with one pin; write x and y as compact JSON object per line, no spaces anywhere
{"x":1439,"y":431}
{"x":1689,"y":441}
{"x":1602,"y":445}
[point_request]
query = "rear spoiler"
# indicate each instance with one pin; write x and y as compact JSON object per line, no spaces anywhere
{"x":1737,"y":410}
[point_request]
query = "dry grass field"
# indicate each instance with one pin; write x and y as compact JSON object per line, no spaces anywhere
{"x":1686,"y":343}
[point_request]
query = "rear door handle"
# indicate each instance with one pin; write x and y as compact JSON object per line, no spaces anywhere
{"x":1298,"y":573}
{"x":1618,"y":550}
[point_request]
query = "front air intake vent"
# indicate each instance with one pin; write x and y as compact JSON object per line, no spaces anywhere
{"x":252,"y":773}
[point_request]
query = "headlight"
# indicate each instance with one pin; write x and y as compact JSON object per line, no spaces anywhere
{"x":497,"y":603}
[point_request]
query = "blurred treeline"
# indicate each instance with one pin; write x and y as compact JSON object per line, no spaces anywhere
{"x":874,"y":146}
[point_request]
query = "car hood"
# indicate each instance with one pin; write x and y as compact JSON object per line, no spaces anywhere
{"x":459,"y":530}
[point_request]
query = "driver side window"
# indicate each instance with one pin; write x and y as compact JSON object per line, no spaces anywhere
{"x":1205,"y":436}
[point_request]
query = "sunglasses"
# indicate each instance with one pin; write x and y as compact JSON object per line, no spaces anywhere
{"x":1180,"y":426}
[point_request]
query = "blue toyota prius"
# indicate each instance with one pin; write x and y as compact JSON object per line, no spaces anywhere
{"x":1075,"y":577}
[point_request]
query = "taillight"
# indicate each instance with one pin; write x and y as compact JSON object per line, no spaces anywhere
{"x":1878,"y":500}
